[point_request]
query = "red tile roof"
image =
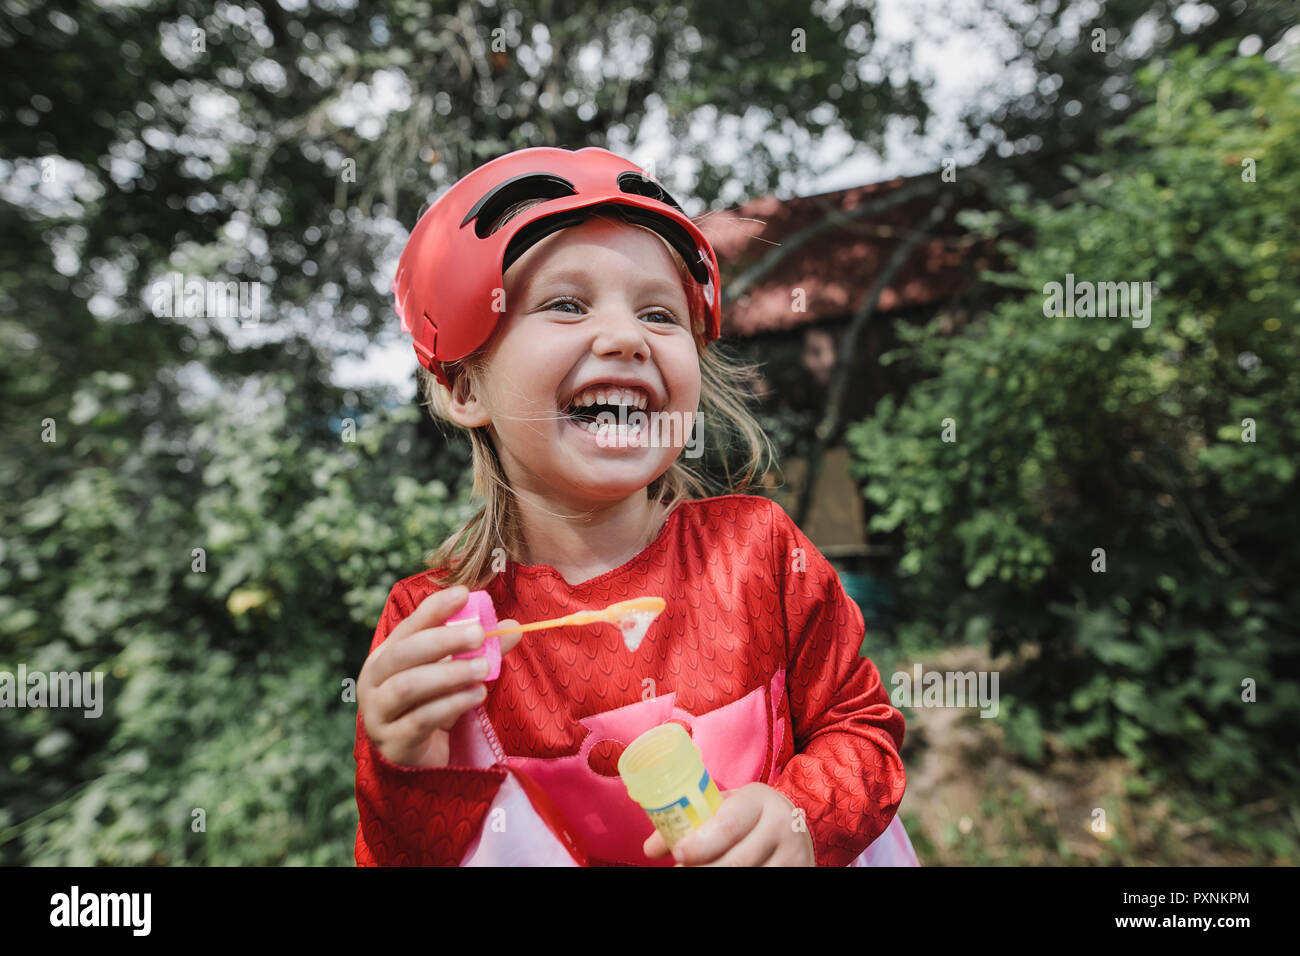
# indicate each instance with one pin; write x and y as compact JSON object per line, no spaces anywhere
{"x":837,"y":267}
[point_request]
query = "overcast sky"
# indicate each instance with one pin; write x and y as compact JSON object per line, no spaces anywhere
{"x":957,"y":63}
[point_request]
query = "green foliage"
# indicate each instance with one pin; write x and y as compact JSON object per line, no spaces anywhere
{"x":1075,"y":434}
{"x":223,"y":687}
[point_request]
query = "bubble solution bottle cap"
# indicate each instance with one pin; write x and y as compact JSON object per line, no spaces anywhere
{"x":479,"y":609}
{"x":664,"y":772}
{"x":657,"y":765}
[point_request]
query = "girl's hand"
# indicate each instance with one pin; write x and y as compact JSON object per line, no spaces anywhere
{"x":756,"y":825}
{"x":411,"y":692}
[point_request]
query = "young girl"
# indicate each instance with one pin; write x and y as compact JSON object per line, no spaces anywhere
{"x":553,"y":295}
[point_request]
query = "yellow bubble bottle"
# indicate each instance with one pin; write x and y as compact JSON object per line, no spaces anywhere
{"x":664,"y":772}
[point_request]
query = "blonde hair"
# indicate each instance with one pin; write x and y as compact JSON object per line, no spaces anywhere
{"x":725,"y":383}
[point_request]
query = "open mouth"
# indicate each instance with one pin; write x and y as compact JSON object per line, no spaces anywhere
{"x":607,"y":406}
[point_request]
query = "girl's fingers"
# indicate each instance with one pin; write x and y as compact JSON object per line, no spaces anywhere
{"x":755,"y":850}
{"x":431,"y":612}
{"x":413,"y":683}
{"x":778,"y":855}
{"x":416,"y":686}
{"x":732,"y":824}
{"x":425,"y":647}
{"x":655,"y":846}
{"x":439,"y":644}
{"x":509,"y":641}
{"x":440,"y":714}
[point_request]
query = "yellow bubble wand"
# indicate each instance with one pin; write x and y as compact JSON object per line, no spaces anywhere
{"x":632,"y":617}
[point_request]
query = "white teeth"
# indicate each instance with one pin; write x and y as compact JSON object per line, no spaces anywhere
{"x":631,"y":398}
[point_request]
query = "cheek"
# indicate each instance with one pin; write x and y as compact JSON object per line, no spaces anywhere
{"x":685,"y":383}
{"x":695,"y":391}
{"x":524,"y":378}
{"x":535,"y":359}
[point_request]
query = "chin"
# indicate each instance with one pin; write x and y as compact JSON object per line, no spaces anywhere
{"x":610,"y":482}
{"x":609,"y":489}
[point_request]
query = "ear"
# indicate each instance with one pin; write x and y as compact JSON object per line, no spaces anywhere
{"x":466,"y":408}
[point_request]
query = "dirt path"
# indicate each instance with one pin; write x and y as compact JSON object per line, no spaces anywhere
{"x":970,"y":801}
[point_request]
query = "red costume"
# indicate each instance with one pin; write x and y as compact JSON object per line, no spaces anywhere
{"x":757,"y":654}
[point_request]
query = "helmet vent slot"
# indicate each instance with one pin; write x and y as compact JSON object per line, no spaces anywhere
{"x":640,"y":185}
{"x":527,"y":186}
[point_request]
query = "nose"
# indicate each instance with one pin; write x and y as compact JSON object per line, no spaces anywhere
{"x":620,"y":334}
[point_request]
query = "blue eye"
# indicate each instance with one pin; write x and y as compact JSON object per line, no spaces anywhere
{"x":565,"y":301}
{"x":668,"y":317}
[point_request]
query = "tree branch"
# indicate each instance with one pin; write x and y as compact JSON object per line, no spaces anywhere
{"x":848,"y":344}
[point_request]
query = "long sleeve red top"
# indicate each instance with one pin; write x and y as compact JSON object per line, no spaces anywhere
{"x":757,"y":652}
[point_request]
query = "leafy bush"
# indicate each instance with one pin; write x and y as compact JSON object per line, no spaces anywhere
{"x":1077,"y":434}
{"x":223,"y":687}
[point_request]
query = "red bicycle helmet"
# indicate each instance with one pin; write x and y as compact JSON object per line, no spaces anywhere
{"x":451,"y":265}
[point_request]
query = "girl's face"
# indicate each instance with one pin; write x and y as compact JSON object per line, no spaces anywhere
{"x":595,"y":318}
